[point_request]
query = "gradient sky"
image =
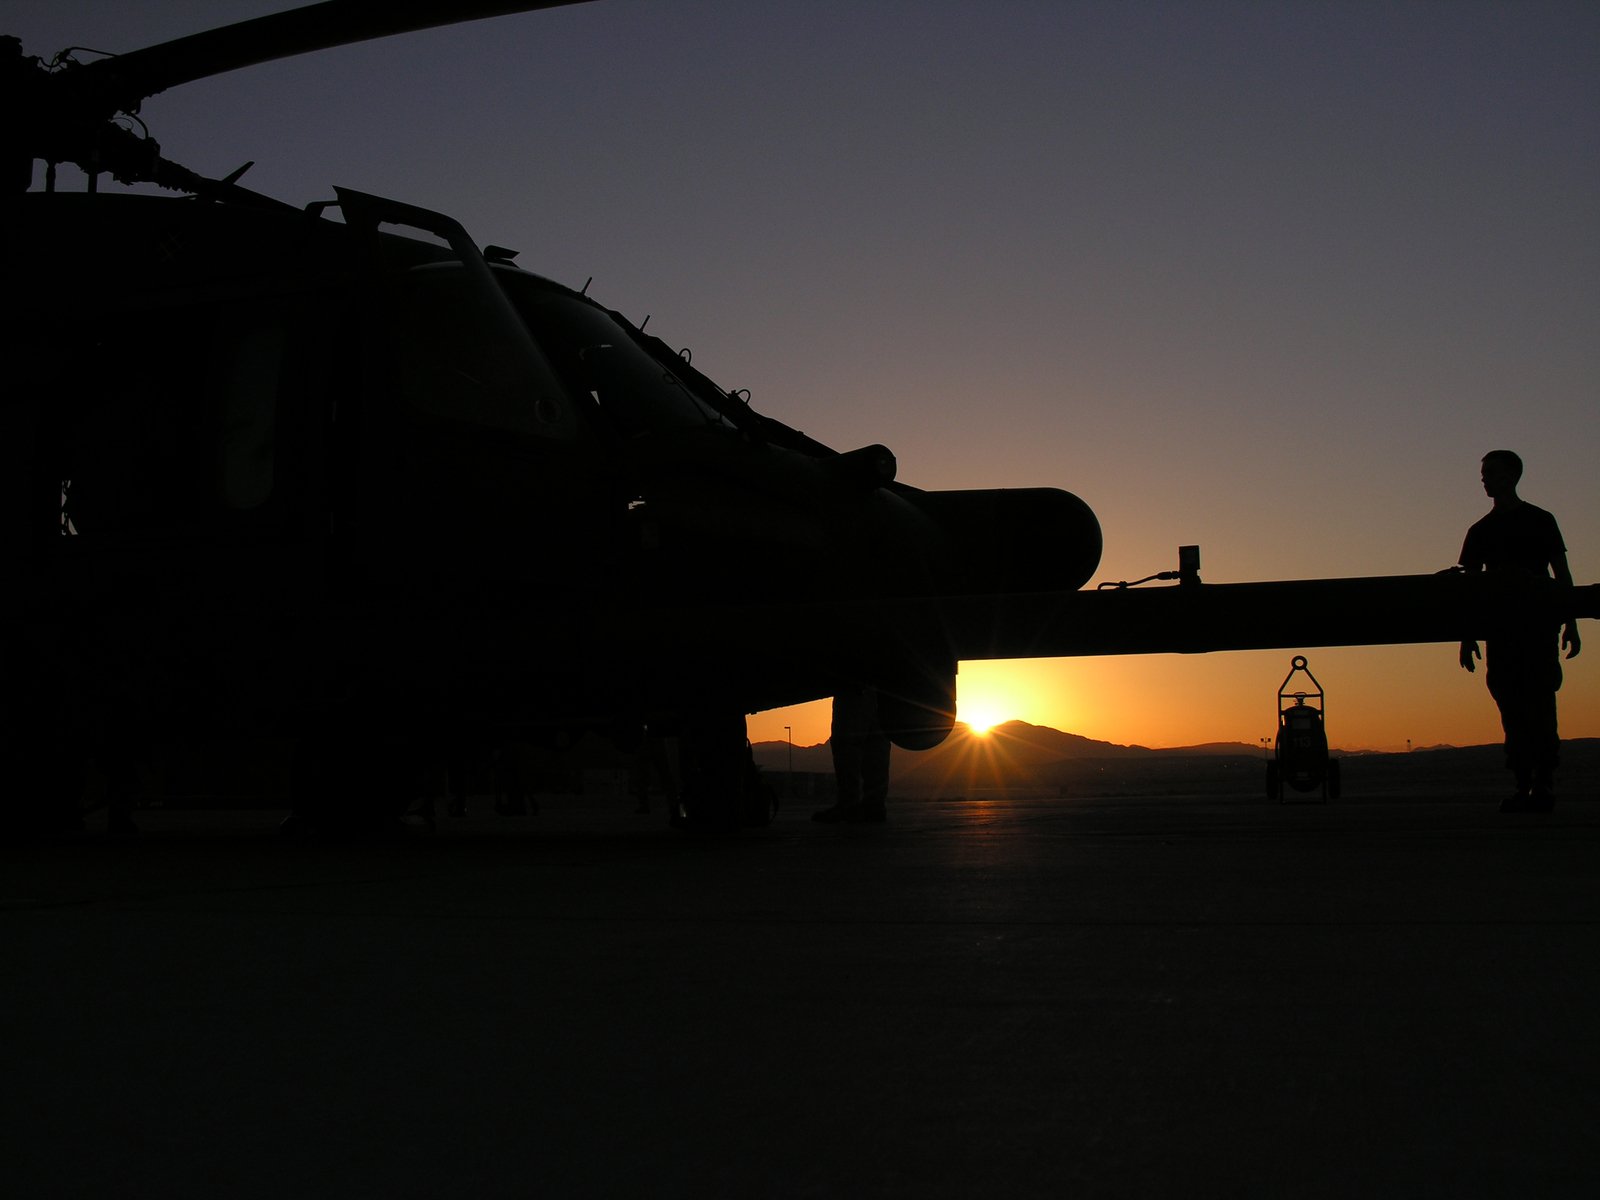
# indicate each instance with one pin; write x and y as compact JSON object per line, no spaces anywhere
{"x":1268,"y":278}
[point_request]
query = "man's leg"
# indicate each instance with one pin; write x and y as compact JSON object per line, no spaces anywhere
{"x":1544,"y":747}
{"x":1511,"y":700}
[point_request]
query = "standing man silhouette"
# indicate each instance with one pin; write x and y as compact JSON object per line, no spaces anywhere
{"x":1524,"y":663}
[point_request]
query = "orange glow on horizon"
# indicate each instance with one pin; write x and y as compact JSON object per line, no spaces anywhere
{"x":1377,"y":698}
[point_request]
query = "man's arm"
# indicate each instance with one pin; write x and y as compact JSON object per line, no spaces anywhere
{"x":1570,"y":641}
{"x":1471,"y":560}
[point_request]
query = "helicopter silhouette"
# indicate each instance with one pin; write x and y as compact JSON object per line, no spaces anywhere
{"x":339,"y":475}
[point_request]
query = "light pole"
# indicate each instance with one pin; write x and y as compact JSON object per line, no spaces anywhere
{"x":788,"y":779}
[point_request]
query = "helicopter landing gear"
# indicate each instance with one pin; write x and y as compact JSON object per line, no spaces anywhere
{"x":348,"y":783}
{"x":721,"y":789}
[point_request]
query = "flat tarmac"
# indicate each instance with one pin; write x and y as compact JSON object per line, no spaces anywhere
{"x":1383,"y":996}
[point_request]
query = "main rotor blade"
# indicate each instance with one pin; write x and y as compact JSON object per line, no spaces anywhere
{"x":125,"y":80}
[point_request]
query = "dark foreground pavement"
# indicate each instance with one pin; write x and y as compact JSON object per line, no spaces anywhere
{"x":1019,"y":997}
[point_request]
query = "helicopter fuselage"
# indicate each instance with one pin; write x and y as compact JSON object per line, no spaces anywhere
{"x":281,"y":468}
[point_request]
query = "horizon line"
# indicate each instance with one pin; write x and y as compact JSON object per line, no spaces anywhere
{"x":1244,"y":746}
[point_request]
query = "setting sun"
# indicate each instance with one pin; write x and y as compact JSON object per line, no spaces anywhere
{"x":981,"y":716}
{"x":992,"y":693}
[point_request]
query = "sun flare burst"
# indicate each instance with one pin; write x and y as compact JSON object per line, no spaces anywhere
{"x":981,"y":718}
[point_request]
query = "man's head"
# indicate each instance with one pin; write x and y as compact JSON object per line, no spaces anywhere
{"x":1501,"y":471}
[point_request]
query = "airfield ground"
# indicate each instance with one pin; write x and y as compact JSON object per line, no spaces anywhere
{"x":1388,"y":995}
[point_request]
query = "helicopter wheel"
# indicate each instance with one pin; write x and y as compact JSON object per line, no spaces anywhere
{"x":347,"y":784}
{"x":721,"y":788}
{"x":758,"y":802}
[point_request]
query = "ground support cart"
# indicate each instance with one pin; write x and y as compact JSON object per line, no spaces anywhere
{"x":1301,"y":760}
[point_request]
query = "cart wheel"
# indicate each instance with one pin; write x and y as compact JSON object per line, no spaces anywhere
{"x":1333,"y":779}
{"x":1274,"y":783}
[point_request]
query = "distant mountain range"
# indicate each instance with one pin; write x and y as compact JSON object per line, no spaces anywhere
{"x":1017,"y":743}
{"x":1018,"y":755}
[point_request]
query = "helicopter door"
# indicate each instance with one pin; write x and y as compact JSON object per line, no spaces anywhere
{"x":171,"y":428}
{"x":169,"y":523}
{"x":459,"y":482}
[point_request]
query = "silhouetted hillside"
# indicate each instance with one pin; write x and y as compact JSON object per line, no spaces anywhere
{"x":1033,"y":758}
{"x":1017,"y":755}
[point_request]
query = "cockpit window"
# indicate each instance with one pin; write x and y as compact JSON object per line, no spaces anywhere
{"x":597,"y":356}
{"x":453,"y":358}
